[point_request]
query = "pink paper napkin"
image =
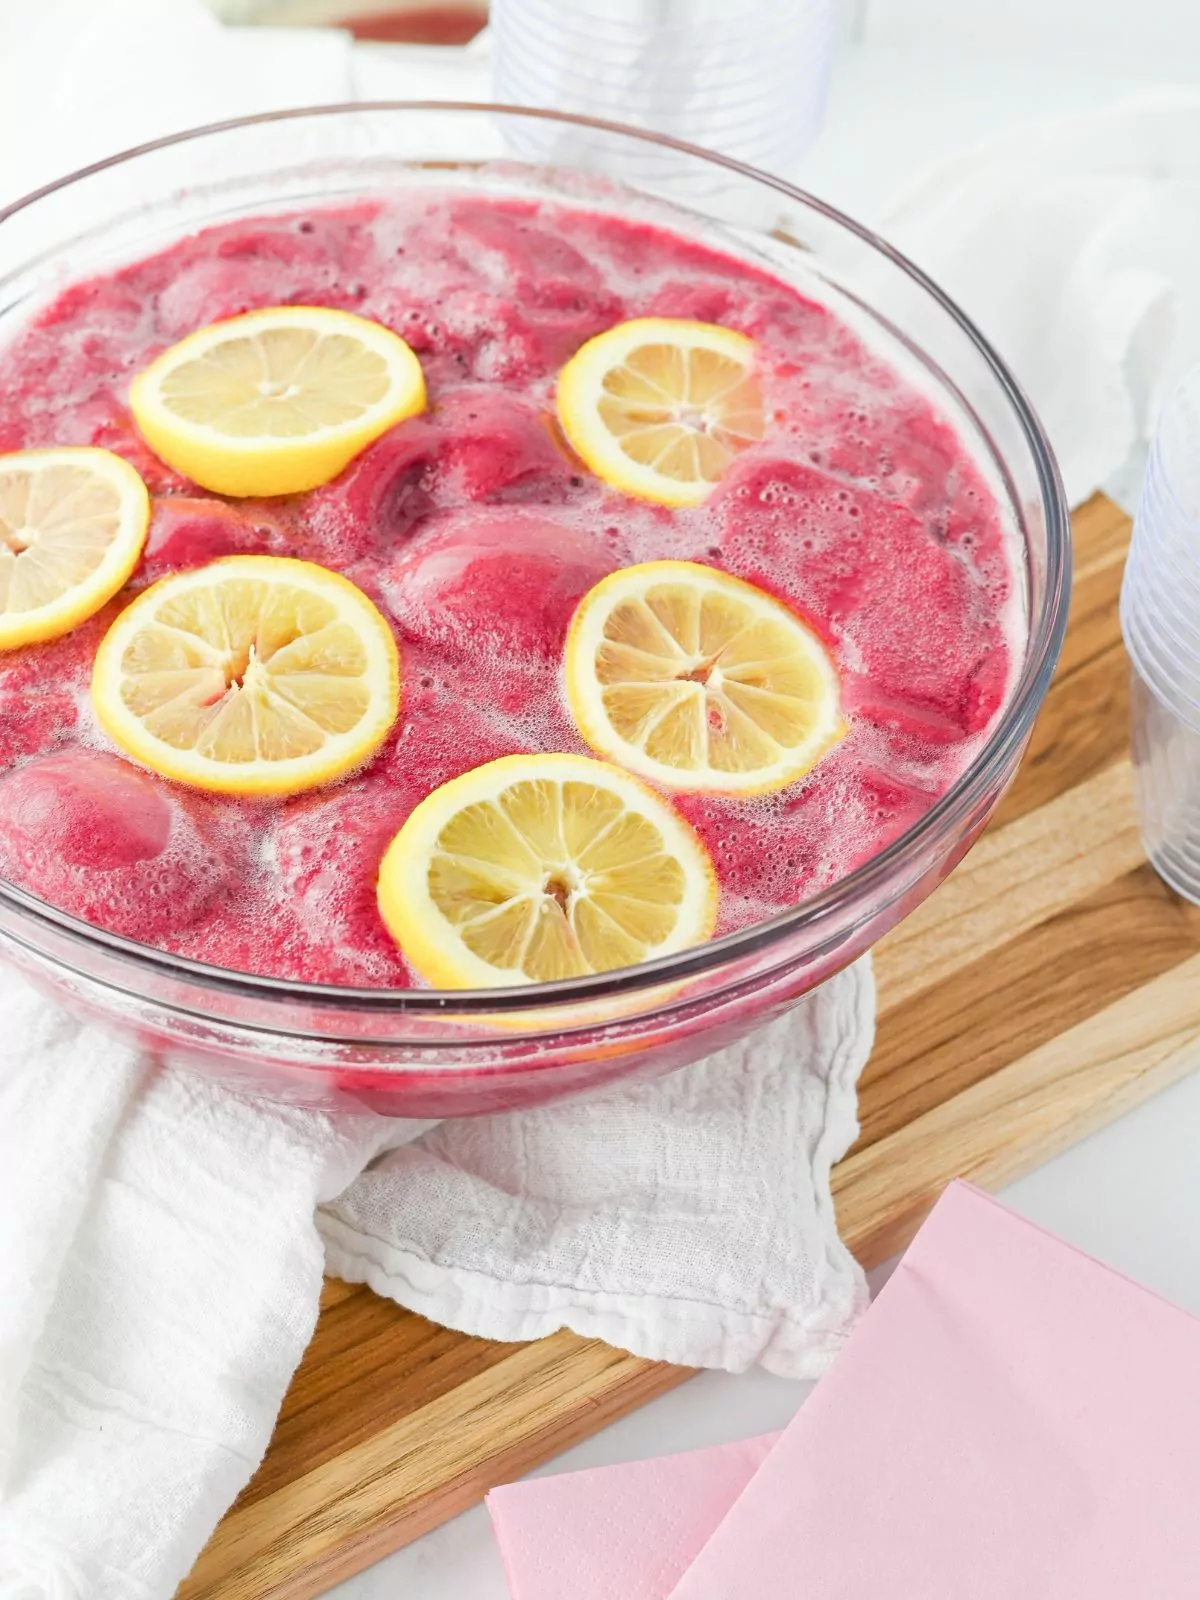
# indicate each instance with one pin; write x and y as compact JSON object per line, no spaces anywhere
{"x":1010,"y":1419}
{"x":618,"y":1533}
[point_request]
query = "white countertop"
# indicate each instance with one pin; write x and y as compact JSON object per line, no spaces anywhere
{"x":1131,"y":1194}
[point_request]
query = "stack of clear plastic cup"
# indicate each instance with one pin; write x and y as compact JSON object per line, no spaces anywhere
{"x":745,"y":79}
{"x":1160,"y":618}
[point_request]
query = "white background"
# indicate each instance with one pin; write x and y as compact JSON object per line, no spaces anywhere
{"x":922,"y":79}
{"x":1157,"y":37}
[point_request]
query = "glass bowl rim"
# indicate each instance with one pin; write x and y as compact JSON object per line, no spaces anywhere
{"x":1046,"y":634}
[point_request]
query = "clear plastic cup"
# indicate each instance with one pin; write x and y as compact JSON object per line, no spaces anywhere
{"x":748,"y":80}
{"x":1166,"y":764}
{"x":1160,"y":618}
{"x":1164,"y":561}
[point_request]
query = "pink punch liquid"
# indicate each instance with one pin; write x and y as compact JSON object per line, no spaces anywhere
{"x":477,"y":533}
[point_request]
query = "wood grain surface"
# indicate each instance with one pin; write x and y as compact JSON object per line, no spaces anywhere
{"x":1049,"y":985}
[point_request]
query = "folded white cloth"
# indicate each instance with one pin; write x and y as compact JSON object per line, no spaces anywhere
{"x":687,"y":1219}
{"x":1074,"y":244}
{"x":160,"y":1259}
{"x":159,"y":1279}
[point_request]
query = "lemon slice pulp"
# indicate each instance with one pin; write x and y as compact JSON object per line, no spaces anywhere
{"x":72,"y":526}
{"x":255,"y":675}
{"x":699,"y":680}
{"x":277,"y":401}
{"x":659,"y":407}
{"x":536,"y":868}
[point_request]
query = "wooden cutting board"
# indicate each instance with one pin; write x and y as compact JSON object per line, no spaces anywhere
{"x":1049,"y":985}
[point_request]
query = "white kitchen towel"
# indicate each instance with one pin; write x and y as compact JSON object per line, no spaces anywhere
{"x":160,"y":1259}
{"x":159,"y":1279}
{"x":688,"y":1219}
{"x":1074,"y":243}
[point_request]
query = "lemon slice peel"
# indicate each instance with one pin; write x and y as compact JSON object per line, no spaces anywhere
{"x":254,"y":675}
{"x":277,"y":401}
{"x":543,"y":868}
{"x":699,"y":680}
{"x":73,"y":524}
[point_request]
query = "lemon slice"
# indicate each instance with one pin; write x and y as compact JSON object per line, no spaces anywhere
{"x":659,"y":407}
{"x":534,"y":868}
{"x":699,"y":680}
{"x":254,"y":675}
{"x":72,"y":526}
{"x":278,"y":401}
